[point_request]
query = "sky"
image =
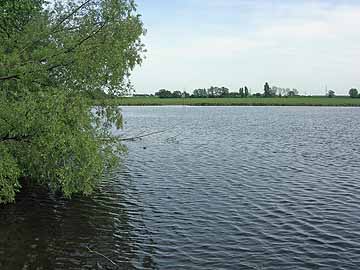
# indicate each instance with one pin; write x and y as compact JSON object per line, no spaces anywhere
{"x":300,"y":44}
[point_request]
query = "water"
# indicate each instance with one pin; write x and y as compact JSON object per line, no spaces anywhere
{"x":219,"y":188}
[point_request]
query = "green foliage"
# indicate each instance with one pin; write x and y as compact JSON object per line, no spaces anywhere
{"x":163,"y":93}
{"x":241,"y":92}
{"x":267,"y":90}
{"x":200,"y":93}
{"x":215,"y":91}
{"x":353,"y":92}
{"x":246,"y":92}
{"x":53,"y":59}
{"x":9,"y":174}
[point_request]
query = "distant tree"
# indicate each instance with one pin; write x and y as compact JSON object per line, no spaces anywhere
{"x":257,"y":95}
{"x":273,"y":91}
{"x":163,"y":93}
{"x":200,"y":93}
{"x":224,"y":92}
{"x":185,"y":94}
{"x":246,"y":91}
{"x":176,"y":94}
{"x":267,"y":92}
{"x":215,"y":91}
{"x":218,"y":92}
{"x":353,"y":92}
{"x":211,"y":91}
{"x":241,"y":92}
{"x":281,"y":92}
{"x":331,"y":93}
{"x":292,"y":93}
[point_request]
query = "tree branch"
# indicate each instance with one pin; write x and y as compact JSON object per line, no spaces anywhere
{"x":143,"y":135}
{"x":71,"y":14}
{"x":102,"y":255}
{"x":102,"y":25}
{"x":57,"y":25}
{"x":9,"y":77}
{"x":20,"y":138}
{"x":69,"y":50}
{"x":89,"y":36}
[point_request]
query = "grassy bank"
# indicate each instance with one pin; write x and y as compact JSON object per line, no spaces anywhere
{"x":252,"y":101}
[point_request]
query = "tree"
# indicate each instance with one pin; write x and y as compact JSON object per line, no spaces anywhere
{"x":177,"y":94}
{"x":267,"y":92}
{"x":353,"y":92}
{"x":223,"y":92}
{"x":292,"y":93}
{"x":185,"y":94}
{"x":281,"y":91}
{"x":200,"y":93}
{"x":219,"y":92}
{"x":246,"y":91}
{"x":53,"y":59}
{"x":163,"y":93}
{"x":330,"y":94}
{"x":211,"y":91}
{"x":273,"y":91}
{"x":215,"y":91}
{"x":241,"y":92}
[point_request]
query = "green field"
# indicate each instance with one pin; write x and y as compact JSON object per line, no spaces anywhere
{"x":252,"y":101}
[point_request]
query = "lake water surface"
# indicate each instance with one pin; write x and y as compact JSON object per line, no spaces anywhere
{"x":220,"y":188}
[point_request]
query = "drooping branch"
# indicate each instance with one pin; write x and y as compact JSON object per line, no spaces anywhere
{"x":17,"y":138}
{"x":102,"y":255}
{"x":53,"y":29}
{"x":71,"y":14}
{"x":63,"y":51}
{"x":90,"y":36}
{"x":80,"y":42}
{"x":9,"y":77}
{"x":69,"y":50}
{"x":138,"y":137}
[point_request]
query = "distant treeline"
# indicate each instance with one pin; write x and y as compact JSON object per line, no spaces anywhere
{"x":223,"y":92}
{"x":243,"y":92}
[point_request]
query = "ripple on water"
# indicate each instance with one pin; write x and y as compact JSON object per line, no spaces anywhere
{"x":224,"y":188}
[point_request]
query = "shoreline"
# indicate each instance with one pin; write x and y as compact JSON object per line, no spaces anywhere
{"x":245,"y":102}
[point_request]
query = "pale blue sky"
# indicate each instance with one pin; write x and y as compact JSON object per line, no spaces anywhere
{"x":296,"y":44}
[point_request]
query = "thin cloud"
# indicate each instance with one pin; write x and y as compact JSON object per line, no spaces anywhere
{"x":299,"y":44}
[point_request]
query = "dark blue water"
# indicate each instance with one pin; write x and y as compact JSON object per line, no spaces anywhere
{"x":219,"y":188}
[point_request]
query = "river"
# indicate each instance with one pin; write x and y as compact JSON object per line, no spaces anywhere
{"x":217,"y":188}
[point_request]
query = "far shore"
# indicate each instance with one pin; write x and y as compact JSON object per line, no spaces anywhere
{"x":250,"y":101}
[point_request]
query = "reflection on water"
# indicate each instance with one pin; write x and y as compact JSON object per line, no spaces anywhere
{"x":45,"y":231}
{"x":223,"y":188}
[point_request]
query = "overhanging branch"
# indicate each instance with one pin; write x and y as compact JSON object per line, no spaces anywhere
{"x":9,"y":77}
{"x":71,"y":14}
{"x":19,"y":138}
